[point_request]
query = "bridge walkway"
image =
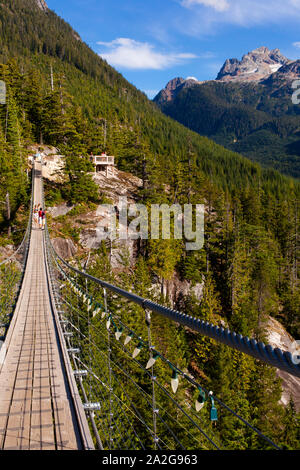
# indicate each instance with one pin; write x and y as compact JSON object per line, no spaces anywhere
{"x":37,"y":406}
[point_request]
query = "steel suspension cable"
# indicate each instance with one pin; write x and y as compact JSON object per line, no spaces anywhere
{"x":214,"y":397}
{"x":275,"y":357}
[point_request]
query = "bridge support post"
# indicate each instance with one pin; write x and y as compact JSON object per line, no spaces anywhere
{"x":154,"y":409}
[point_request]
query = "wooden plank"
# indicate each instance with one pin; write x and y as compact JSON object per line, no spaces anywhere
{"x":15,"y":422}
{"x":36,"y":408}
{"x":65,"y":434}
{"x":43,"y":383}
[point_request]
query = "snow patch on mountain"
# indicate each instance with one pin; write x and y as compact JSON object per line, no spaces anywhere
{"x":275,"y":67}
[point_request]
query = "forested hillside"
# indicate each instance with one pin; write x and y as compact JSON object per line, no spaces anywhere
{"x":256,"y":119}
{"x":61,"y":93}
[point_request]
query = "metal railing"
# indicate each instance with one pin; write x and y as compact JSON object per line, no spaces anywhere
{"x":105,"y":159}
{"x":109,"y":372}
{"x":105,"y":368}
{"x":12,"y":271}
{"x":275,"y":357}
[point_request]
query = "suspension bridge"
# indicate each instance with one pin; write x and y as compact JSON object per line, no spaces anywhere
{"x":78,"y":372}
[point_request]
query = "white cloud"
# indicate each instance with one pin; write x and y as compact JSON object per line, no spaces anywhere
{"x":296,"y":44}
{"x":218,"y":5}
{"x":130,"y":54}
{"x":206,"y":14}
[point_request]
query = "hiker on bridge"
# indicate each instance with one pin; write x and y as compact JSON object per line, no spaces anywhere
{"x":42,"y":218}
{"x":36,"y":215}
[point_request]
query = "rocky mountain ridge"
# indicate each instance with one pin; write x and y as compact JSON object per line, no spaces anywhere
{"x":174,"y":86}
{"x":258,"y":66}
{"x":248,"y":109}
{"x":254,"y":66}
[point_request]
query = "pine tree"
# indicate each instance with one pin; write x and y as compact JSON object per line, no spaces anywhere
{"x":291,"y":428}
{"x":81,"y":187}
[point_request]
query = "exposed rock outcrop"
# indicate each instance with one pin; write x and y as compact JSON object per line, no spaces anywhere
{"x":42,"y":5}
{"x":121,"y":185}
{"x":93,"y":225}
{"x":285,"y":75}
{"x":258,"y":65}
{"x":254,"y":66}
{"x":64,"y":247}
{"x":61,"y":209}
{"x":173,"y":87}
{"x":53,"y":162}
{"x":96,"y":229}
{"x":177,"y":291}
{"x":279,"y":338}
{"x":167,"y":94}
{"x":6,"y":252}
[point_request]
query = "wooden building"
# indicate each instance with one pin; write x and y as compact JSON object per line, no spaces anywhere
{"x":104,"y":163}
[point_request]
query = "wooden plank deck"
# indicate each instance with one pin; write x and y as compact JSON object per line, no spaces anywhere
{"x":37,"y":410}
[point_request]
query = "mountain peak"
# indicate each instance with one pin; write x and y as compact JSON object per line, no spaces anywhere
{"x":174,"y":83}
{"x":173,"y":87}
{"x":254,"y":66}
{"x":261,"y":50}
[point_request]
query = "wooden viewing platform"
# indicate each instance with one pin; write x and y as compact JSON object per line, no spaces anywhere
{"x":40,"y":408}
{"x":104,"y":163}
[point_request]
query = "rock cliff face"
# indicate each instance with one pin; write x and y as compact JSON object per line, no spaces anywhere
{"x":64,"y":247}
{"x":254,"y":66}
{"x":173,"y":87}
{"x":42,"y":5}
{"x":167,"y":94}
{"x":92,"y":225}
{"x":279,"y":338}
{"x":53,"y":162}
{"x":177,"y":290}
{"x":285,"y":75}
{"x":122,"y":185}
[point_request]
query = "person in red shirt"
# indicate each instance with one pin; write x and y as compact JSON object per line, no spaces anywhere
{"x":42,"y":218}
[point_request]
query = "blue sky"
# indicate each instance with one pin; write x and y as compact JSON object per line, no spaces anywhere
{"x":153,"y":41}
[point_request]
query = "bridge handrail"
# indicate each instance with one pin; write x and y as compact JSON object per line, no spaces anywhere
{"x":28,"y":228}
{"x":274,"y":357}
{"x":171,"y":365}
